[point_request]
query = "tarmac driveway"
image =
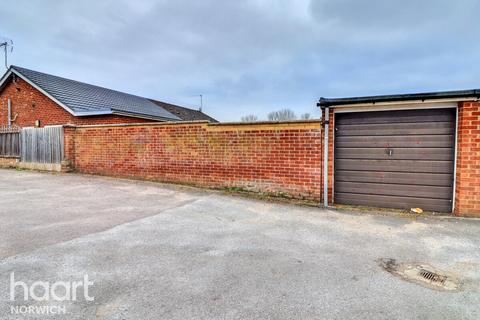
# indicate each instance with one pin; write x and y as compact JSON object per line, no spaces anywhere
{"x":166,"y":252}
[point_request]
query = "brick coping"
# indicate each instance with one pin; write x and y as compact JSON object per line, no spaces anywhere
{"x":313,"y":124}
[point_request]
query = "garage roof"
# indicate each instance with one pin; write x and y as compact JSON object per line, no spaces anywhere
{"x":328,"y":102}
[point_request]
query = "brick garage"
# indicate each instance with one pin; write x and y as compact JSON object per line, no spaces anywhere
{"x":279,"y":159}
{"x":465,"y":159}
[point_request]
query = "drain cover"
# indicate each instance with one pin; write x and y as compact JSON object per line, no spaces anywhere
{"x":422,"y":274}
{"x":432,"y":276}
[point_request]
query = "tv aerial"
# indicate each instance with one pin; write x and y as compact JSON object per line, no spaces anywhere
{"x":7,"y":46}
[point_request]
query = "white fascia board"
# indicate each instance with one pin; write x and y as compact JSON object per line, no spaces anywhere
{"x":140,"y":116}
{"x":145,"y":116}
{"x":5,"y":77}
{"x":406,"y":105}
{"x":404,"y":102}
{"x":92,"y":113}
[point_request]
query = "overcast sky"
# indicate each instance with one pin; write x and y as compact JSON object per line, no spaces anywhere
{"x":250,"y":56}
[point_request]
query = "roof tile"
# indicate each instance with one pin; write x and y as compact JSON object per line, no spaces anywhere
{"x":83,"y":97}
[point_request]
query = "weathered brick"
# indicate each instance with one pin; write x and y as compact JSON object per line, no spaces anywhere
{"x":467,"y":195}
{"x":248,"y":156}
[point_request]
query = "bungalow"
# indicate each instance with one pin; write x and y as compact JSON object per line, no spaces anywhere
{"x":31,"y":98}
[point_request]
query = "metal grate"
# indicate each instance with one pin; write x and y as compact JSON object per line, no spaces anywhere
{"x":432,"y":276}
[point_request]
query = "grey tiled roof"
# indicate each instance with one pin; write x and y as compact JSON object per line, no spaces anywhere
{"x":81,"y":97}
{"x":185,"y":114}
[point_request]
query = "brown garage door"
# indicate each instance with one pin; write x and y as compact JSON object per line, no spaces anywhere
{"x":395,"y":159}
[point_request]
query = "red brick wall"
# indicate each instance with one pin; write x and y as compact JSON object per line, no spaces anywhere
{"x":467,"y":199}
{"x":281,"y":159}
{"x":8,"y":162}
{"x":29,"y":105}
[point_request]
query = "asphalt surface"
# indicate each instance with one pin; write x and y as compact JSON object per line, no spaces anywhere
{"x":164,"y":252}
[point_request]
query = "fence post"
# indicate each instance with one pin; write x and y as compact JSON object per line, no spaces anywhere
{"x":68,"y":161}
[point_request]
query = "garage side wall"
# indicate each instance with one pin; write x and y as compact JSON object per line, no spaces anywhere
{"x":281,"y":159}
{"x":467,"y":200}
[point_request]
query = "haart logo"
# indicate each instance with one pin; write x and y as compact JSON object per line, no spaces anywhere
{"x":46,"y":291}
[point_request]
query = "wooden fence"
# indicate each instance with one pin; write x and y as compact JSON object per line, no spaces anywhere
{"x":9,"y":141}
{"x":42,"y":145}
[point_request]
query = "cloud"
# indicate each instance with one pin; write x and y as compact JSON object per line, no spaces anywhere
{"x":250,"y":56}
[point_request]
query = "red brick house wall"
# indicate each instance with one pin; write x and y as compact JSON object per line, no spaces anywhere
{"x":281,"y":159}
{"x":29,"y":105}
{"x":467,"y":196}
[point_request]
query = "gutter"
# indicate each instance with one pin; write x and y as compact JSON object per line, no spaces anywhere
{"x":91,"y":113}
{"x":9,"y":112}
{"x":422,"y":97}
{"x":121,"y":113}
{"x":141,"y":116}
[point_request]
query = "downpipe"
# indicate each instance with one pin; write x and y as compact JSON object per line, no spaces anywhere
{"x":325,"y":156}
{"x":9,"y":105}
